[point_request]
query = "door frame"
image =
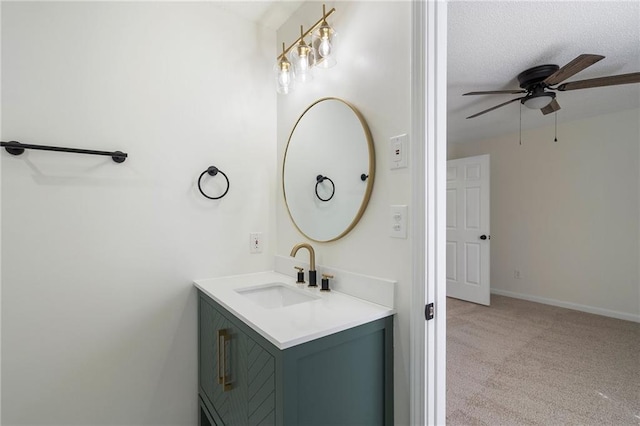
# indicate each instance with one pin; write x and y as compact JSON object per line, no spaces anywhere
{"x":428,"y":175}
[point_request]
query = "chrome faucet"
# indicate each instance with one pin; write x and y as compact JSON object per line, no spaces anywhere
{"x":312,"y":261}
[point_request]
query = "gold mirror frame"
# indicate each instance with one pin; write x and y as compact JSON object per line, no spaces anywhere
{"x":371,"y":171}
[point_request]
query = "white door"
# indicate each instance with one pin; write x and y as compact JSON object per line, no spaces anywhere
{"x":468,"y":238}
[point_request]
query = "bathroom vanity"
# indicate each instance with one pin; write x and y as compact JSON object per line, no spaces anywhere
{"x":271,"y":352}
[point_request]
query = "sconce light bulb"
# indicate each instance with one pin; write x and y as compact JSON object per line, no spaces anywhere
{"x":324,"y":48}
{"x":302,"y":61}
{"x":284,"y":78}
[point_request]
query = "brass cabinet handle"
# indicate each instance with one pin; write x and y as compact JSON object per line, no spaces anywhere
{"x":223,"y":338}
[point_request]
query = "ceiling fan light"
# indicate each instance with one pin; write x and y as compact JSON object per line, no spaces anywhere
{"x":538,"y":101}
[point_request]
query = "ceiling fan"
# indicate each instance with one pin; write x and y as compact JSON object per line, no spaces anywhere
{"x":537,"y":82}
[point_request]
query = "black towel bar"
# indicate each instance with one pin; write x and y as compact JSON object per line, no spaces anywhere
{"x":17,"y":148}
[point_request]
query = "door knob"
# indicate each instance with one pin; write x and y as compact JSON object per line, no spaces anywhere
{"x":484,"y":237}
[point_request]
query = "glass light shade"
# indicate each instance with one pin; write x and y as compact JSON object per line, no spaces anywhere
{"x":285,"y":76}
{"x":324,"y":40}
{"x":539,"y":101}
{"x":303,"y":58}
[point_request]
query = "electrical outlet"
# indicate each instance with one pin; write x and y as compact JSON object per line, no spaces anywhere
{"x":255,"y":242}
{"x":516,"y":274}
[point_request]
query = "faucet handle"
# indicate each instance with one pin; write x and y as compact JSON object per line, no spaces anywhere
{"x":325,"y":282}
{"x":300,"y":279}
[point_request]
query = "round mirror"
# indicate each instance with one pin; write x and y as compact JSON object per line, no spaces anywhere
{"x":328,"y":171}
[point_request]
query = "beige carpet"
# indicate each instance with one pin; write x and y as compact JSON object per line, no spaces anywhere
{"x":524,"y":363}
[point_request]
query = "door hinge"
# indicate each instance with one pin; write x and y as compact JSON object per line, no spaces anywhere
{"x":429,"y":311}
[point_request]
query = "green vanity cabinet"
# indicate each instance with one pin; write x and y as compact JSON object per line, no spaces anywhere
{"x":237,"y":376}
{"x":342,"y":379}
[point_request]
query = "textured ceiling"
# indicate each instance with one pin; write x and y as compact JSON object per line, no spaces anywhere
{"x":490,"y":43}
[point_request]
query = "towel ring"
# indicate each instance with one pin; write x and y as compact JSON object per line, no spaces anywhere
{"x":212,"y":171}
{"x":320,"y":179}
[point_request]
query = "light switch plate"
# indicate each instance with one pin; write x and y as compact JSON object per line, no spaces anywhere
{"x":398,"y":221}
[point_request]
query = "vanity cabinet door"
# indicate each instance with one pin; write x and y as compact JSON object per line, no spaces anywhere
{"x":342,"y":379}
{"x":237,"y":375}
{"x":210,"y":323}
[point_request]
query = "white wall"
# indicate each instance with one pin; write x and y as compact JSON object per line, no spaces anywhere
{"x":98,"y":308}
{"x":567,"y":214}
{"x":373,"y":73}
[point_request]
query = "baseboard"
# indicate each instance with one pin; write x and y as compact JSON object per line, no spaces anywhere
{"x":561,"y":304}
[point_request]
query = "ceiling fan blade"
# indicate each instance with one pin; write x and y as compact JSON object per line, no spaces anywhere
{"x":495,"y":107}
{"x":612,"y":80}
{"x":552,"y":107}
{"x":578,"y":64}
{"x":496,"y":92}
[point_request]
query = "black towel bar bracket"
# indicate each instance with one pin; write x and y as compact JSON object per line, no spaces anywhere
{"x":17,"y":148}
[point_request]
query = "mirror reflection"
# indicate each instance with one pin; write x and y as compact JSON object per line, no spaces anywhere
{"x":329,"y":169}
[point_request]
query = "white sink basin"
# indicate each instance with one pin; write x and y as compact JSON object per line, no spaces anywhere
{"x":276,"y":295}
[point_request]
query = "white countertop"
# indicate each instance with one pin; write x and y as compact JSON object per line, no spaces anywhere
{"x":295,"y":324}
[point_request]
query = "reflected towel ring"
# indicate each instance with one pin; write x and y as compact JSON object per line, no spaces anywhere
{"x":212,"y":171}
{"x":320,"y":179}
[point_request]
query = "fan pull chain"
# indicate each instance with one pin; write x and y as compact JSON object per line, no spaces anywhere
{"x":555,"y":139}
{"x":520,"y":123}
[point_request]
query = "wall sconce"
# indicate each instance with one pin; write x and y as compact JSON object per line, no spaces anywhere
{"x":324,"y":41}
{"x":303,"y":57}
{"x":285,"y":74}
